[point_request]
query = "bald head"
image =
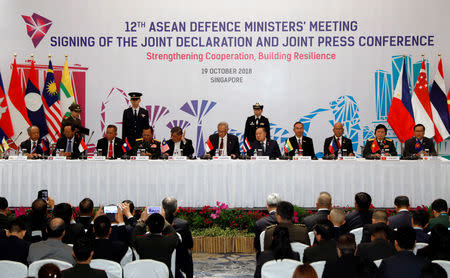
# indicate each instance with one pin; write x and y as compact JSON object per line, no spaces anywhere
{"x":337,"y":217}
{"x":55,"y":227}
{"x":338,"y":129}
{"x":324,"y":200}
{"x":379,"y":216}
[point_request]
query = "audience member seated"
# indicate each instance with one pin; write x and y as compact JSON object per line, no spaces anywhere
{"x":104,"y":247}
{"x":362,"y":215}
{"x":323,"y":206}
{"x":379,"y":247}
{"x":128,"y":215}
{"x":403,"y":217}
{"x":404,"y":263}
{"x":49,"y":271}
{"x":4,"y":219}
{"x":440,"y":213}
{"x":279,"y":250}
{"x":285,"y":214}
{"x":271,"y":204}
{"x":325,"y":250}
{"x":155,"y":245}
{"x":53,"y":247}
{"x":13,"y":247}
{"x":379,"y":217}
{"x":337,"y":218}
{"x":73,"y":230}
{"x":433,"y":270}
{"x":184,"y":260}
{"x":348,"y":265}
{"x":419,"y":222}
{"x":304,"y":271}
{"x":86,"y":210}
{"x":439,"y":244}
{"x":36,"y":220}
{"x":83,"y":251}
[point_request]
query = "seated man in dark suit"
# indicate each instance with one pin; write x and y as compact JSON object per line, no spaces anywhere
{"x":268,"y":147}
{"x":439,"y":208}
{"x":104,"y":247}
{"x":325,"y":250}
{"x":151,"y":146}
{"x":419,"y":145}
{"x":13,"y":247}
{"x":301,"y":145}
{"x":4,"y":219}
{"x":33,"y":144}
{"x":36,"y":221}
{"x":323,"y":206}
{"x":379,"y":218}
{"x":155,"y":245}
{"x":83,"y":252}
{"x":179,"y":144}
{"x":379,"y":247}
{"x":86,"y":213}
{"x":341,"y":144}
{"x":73,"y":230}
{"x":68,"y":143}
{"x":261,"y":224}
{"x":284,"y":215}
{"x":362,"y":215}
{"x":337,"y":218}
{"x":380,"y":144}
{"x":403,"y":217}
{"x":224,"y":143}
{"x":404,"y":263}
{"x":419,"y":222}
{"x":111,"y":145}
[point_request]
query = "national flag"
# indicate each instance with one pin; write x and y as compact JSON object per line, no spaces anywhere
{"x":333,"y":147}
{"x":126,"y":146}
{"x":401,"y":114}
{"x":44,"y":145}
{"x":66,"y":91}
{"x":5,"y":144}
{"x":164,"y":146}
{"x":5,"y":119}
{"x":421,"y":103}
{"x":288,"y":146}
{"x":246,"y":147}
{"x":82,"y":147}
{"x":374,"y":147}
{"x":418,"y":146}
{"x":17,"y":107}
{"x":439,"y":106}
{"x":33,"y":100}
{"x":209,"y":146}
{"x":52,"y":109}
{"x":1,"y":148}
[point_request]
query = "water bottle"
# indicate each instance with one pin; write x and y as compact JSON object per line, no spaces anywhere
{"x":20,"y":152}
{"x":296,"y":152}
{"x":95,"y":153}
{"x":339,"y":154}
{"x":427,"y":152}
{"x":57,"y":152}
{"x":383,"y":154}
{"x":138,"y":152}
{"x":255,"y":153}
{"x":216,"y":152}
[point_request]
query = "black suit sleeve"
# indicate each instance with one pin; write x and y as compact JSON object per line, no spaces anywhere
{"x":188,"y":149}
{"x":277,"y":152}
{"x":124,"y":124}
{"x":429,"y":144}
{"x":235,"y":146}
{"x":325,"y":146}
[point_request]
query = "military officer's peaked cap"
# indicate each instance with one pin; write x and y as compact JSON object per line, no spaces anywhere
{"x":75,"y":107}
{"x":258,"y":106}
{"x":135,"y":95}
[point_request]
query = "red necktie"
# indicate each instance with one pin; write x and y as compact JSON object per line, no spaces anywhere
{"x":221,"y":146}
{"x":110,"y":149}
{"x":338,"y":144}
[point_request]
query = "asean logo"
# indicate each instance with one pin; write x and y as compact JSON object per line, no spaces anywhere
{"x":37,"y":27}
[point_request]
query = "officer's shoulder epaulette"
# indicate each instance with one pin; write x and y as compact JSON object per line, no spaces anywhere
{"x":156,"y":140}
{"x":387,"y":139}
{"x":271,"y":226}
{"x":371,"y":139}
{"x":300,"y":225}
{"x":139,"y":139}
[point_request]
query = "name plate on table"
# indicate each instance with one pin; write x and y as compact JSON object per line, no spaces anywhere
{"x":177,"y":157}
{"x":347,"y":158}
{"x":222,"y":157}
{"x":57,"y":158}
{"x":390,"y":158}
{"x":260,"y":158}
{"x":101,"y":158}
{"x":139,"y":158}
{"x":15,"y":157}
{"x":427,"y":158}
{"x":301,"y":158}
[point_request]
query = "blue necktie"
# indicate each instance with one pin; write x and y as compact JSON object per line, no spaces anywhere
{"x":69,"y":146}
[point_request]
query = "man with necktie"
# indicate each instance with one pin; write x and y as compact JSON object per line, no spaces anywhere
{"x":268,"y":147}
{"x":134,"y":119}
{"x":343,"y":144}
{"x":380,"y":144}
{"x":223,"y":142}
{"x":302,"y":144}
{"x":255,"y":121}
{"x":419,"y":144}
{"x":111,"y":145}
{"x":68,"y":143}
{"x":33,"y":144}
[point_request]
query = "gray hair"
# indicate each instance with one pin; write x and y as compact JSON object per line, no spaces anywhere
{"x":273,"y":199}
{"x":170,"y":206}
{"x":30,"y":128}
{"x":222,"y":123}
{"x":324,"y":200}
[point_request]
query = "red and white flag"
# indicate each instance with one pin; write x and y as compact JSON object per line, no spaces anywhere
{"x":439,"y":106}
{"x":82,"y":147}
{"x":5,"y":119}
{"x":209,"y":146}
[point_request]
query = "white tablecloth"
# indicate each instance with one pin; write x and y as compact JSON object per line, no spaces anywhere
{"x":237,"y":183}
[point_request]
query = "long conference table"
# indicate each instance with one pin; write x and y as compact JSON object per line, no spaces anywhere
{"x":238,"y":183}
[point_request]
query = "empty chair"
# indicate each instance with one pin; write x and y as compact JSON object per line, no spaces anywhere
{"x":377,"y":262}
{"x":358,"y":234}
{"x":318,"y":267}
{"x":127,"y":258}
{"x":172,"y":261}
{"x":34,"y":267}
{"x":311,"y":237}
{"x":13,"y":269}
{"x":146,"y":268}
{"x":445,"y":265}
{"x":112,"y":269}
{"x":419,"y":245}
{"x":261,"y":240}
{"x":280,"y":268}
{"x":299,"y":248}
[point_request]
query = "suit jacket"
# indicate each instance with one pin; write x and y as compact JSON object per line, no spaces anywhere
{"x":109,"y":250}
{"x":342,"y":230}
{"x":356,"y":219}
{"x":410,"y":146}
{"x":307,"y":146}
{"x":404,"y":264}
{"x":188,"y":149}
{"x":346,"y":144}
{"x":272,"y":149}
{"x":375,"y":250}
{"x":184,"y":260}
{"x":14,"y":249}
{"x":297,"y":233}
{"x":269,"y":256}
{"x":86,"y":222}
{"x":385,"y":145}
{"x":27,"y":145}
{"x":349,"y":266}
{"x":368,"y":230}
{"x":401,"y":219}
{"x":251,"y":126}
{"x":152,"y":147}
{"x":441,"y":219}
{"x":73,"y":232}
{"x":324,"y":251}
{"x":103,"y":145}
{"x":261,"y":225}
{"x":232,"y":144}
{"x":83,"y":270}
{"x":34,"y":224}
{"x":4,"y":220}
{"x":132,"y":126}
{"x":312,"y":220}
{"x":422,"y":236}
{"x":50,"y":249}
{"x":75,"y":122}
{"x":62,"y":143}
{"x":431,"y":254}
